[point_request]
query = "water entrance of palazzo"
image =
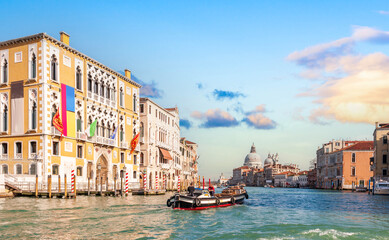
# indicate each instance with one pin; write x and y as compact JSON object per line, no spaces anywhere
{"x":102,"y":170}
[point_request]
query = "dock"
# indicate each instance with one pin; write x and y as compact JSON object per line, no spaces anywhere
{"x":149,"y":192}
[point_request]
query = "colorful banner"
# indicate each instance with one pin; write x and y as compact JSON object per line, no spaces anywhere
{"x":134,"y":142}
{"x":57,"y":122}
{"x":68,"y":110}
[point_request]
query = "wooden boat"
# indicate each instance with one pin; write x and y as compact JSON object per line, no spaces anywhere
{"x":381,"y":188}
{"x":202,"y":199}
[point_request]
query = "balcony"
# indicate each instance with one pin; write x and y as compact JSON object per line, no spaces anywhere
{"x":123,"y":145}
{"x":177,"y":166}
{"x":81,"y":135}
{"x":55,"y":131}
{"x":89,"y":94}
{"x":33,"y":156}
{"x":142,"y":140}
{"x":165,"y":166}
{"x":4,"y":157}
{"x":113,"y":104}
{"x":18,"y":156}
{"x":99,"y":139}
{"x":102,"y":99}
{"x":107,"y":101}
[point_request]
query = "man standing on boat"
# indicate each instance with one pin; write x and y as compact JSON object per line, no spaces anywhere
{"x":191,"y":189}
{"x":211,"y":190}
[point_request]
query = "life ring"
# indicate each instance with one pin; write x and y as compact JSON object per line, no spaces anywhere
{"x":232,"y":200}
{"x":246,"y":195}
{"x":197,"y":202}
{"x":169,"y":203}
{"x":217,"y":201}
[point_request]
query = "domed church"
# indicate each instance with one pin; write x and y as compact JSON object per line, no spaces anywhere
{"x":253,"y":159}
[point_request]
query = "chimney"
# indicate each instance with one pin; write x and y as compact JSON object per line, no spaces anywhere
{"x":64,"y":37}
{"x":127,"y":73}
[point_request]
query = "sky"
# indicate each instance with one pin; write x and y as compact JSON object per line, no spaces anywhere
{"x":287,"y":76}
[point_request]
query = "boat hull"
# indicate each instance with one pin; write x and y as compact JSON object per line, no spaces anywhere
{"x":184,"y":202}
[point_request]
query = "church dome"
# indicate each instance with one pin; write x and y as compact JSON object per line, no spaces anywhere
{"x":253,"y":159}
{"x":268,"y":160}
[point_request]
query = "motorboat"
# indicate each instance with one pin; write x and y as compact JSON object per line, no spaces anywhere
{"x":381,"y":188}
{"x":202,"y":199}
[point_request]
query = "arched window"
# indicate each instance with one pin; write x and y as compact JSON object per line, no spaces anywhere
{"x":33,"y":115}
{"x":108,"y":93}
{"x":33,"y":66}
{"x":90,"y":84}
{"x":5,"y":169}
{"x":135,"y":103}
{"x":141,"y":158}
{"x":142,"y":130}
{"x":108,"y":131}
{"x":32,"y":169}
{"x":102,"y":90}
{"x":121,"y":97}
{"x":97,"y":129}
{"x":54,"y":68}
{"x":96,"y":87}
{"x":353,"y":157}
{"x":102,"y":129}
{"x":19,"y":169}
{"x":5,"y":119}
{"x":4,"y":71}
{"x":121,"y":133}
{"x":78,"y":78}
{"x":79,"y":122}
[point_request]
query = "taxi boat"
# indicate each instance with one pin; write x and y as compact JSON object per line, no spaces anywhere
{"x":202,"y":199}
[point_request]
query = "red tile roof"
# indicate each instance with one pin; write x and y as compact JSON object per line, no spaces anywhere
{"x":189,"y":142}
{"x":361,"y":145}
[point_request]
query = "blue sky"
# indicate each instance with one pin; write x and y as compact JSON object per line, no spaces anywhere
{"x":286,"y":75}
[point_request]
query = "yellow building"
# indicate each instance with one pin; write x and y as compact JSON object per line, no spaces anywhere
{"x":40,"y":75}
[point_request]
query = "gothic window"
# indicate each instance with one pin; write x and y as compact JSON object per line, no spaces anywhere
{"x":102,"y":90}
{"x":33,"y":66}
{"x":54,"y":68}
{"x":108,"y":93}
{"x":97,"y":129}
{"x":142,"y":131}
{"x":79,"y":122}
{"x":90,"y":83}
{"x":102,"y":129}
{"x":134,"y":102}
{"x":79,"y":78}
{"x":5,"y":119}
{"x":33,"y":115}
{"x":4,"y":72}
{"x":121,"y":97}
{"x":96,"y":87}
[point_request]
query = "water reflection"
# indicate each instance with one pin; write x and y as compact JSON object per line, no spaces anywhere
{"x":267,"y":213}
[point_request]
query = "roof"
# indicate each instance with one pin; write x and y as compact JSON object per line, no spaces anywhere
{"x":189,"y":142}
{"x":67,"y":47}
{"x":359,"y":146}
{"x":287,"y":173}
{"x":243,"y":167}
{"x":303,"y":173}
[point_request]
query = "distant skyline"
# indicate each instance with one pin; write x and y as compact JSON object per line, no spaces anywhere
{"x":285,"y":75}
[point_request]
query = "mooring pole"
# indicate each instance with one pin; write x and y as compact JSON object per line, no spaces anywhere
{"x":114,"y":186}
{"x":101,"y":186}
{"x":88,"y":186}
{"x":106,"y":185}
{"x":36,"y":185}
{"x":59,"y":183}
{"x":66,"y":188}
{"x":49,"y":185}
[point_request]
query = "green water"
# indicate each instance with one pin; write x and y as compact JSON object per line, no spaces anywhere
{"x":267,"y":214}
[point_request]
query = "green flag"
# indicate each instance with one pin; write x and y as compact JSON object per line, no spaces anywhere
{"x":90,"y":131}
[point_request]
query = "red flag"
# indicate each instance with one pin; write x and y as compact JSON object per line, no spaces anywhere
{"x":57,"y":122}
{"x":134,"y":142}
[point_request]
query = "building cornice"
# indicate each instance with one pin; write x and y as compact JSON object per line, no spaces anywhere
{"x":40,"y":36}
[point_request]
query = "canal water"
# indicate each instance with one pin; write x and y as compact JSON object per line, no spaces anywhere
{"x":267,"y":214}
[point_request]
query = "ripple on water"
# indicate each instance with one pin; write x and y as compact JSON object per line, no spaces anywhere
{"x":268,"y":214}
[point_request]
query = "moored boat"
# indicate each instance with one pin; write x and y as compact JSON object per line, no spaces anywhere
{"x":381,"y":188}
{"x":202,"y":199}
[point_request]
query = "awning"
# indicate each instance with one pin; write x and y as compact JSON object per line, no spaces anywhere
{"x":165,"y":154}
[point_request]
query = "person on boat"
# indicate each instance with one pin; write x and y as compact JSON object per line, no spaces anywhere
{"x":211,"y":190}
{"x":191,"y":189}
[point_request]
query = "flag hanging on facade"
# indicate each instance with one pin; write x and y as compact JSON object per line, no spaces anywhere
{"x":90,"y":131}
{"x":113,"y":136}
{"x":57,"y":122}
{"x":134,"y":142}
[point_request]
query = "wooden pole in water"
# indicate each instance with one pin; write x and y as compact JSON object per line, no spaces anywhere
{"x":36,"y":185}
{"x":121,"y":185}
{"x":75,"y":187}
{"x":101,"y":186}
{"x":88,"y":186}
{"x":59,"y":183}
{"x":66,"y":188}
{"x":114,"y":186}
{"x":49,"y":185}
{"x":96,"y":185}
{"x":106,"y":185}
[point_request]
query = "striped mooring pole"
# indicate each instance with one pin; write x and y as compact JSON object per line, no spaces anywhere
{"x":164,"y":182}
{"x":144,"y":181}
{"x":156,"y":182}
{"x":126,"y":183}
{"x":179,"y":184}
{"x":72,"y":181}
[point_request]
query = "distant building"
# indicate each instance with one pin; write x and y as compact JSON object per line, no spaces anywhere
{"x":223,"y":181}
{"x":380,"y":161}
{"x":302,"y":180}
{"x":347,"y":167}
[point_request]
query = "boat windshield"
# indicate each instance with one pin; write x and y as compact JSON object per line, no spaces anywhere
{"x":382,"y":185}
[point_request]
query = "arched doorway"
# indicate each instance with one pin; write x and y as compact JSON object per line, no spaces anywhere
{"x":102,"y":169}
